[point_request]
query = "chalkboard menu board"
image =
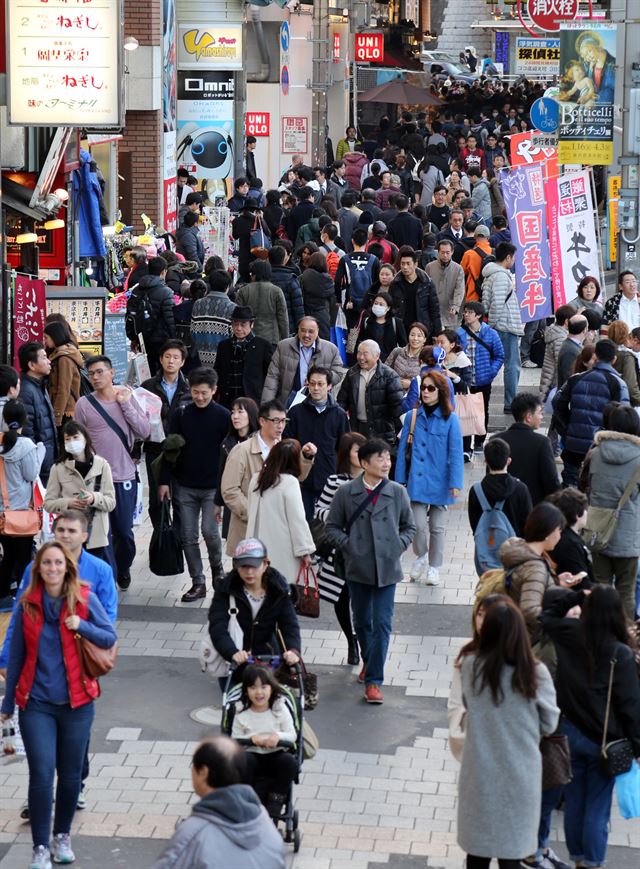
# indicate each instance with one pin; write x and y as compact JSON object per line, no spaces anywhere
{"x":116,"y":345}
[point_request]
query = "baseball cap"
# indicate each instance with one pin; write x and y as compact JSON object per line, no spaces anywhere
{"x":481,"y":232}
{"x":250,"y":552}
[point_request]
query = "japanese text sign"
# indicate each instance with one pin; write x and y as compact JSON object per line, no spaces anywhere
{"x":369,"y":47}
{"x":258,"y":124}
{"x":64,"y":62}
{"x":523,"y":189}
{"x":29,"y":311}
{"x":295,"y":135}
{"x":547,"y":14}
{"x":572,"y":233}
{"x":210,"y":46}
{"x":537,"y":57}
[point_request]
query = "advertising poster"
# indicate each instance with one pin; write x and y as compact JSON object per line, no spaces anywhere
{"x":614,"y":184}
{"x":573,"y":238}
{"x":537,"y":58}
{"x":295,"y":135}
{"x":29,"y":304}
{"x":85,"y":316}
{"x":523,"y":189}
{"x":523,"y":152}
{"x":210,"y":46}
{"x":169,"y":116}
{"x":205,"y":123}
{"x":586,"y":98}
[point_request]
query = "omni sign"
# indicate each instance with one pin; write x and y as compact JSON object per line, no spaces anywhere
{"x":369,"y":47}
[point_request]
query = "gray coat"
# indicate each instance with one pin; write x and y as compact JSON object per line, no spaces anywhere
{"x":379,"y":536}
{"x":281,"y":376}
{"x":227,"y":828}
{"x":612,"y":462}
{"x":500,"y":783}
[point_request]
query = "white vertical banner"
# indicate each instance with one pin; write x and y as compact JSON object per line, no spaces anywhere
{"x":573,"y":234}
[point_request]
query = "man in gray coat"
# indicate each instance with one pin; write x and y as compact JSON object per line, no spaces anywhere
{"x":371,"y":524}
{"x":228,"y":827}
{"x":292,"y":359}
{"x":578,"y":326}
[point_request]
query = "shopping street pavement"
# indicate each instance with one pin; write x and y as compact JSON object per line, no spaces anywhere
{"x":380,"y":793}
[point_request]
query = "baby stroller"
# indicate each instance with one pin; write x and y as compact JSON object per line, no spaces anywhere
{"x":294,"y":699}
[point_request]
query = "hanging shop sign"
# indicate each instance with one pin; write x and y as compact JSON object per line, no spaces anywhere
{"x":502,"y":50}
{"x":614,"y":184}
{"x":539,"y":58}
{"x":586,"y":98}
{"x":64,"y":63}
{"x":369,"y":47}
{"x":295,"y":135}
{"x":523,"y":190}
{"x":29,"y":305}
{"x":210,"y":46}
{"x":258,"y":124}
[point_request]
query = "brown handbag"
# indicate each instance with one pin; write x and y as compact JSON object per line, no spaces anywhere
{"x":95,"y":661}
{"x":17,"y":523}
{"x":556,"y":761}
{"x":308,"y":602}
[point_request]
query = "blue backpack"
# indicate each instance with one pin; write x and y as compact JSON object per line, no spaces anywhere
{"x":359,"y":275}
{"x":491,"y":532}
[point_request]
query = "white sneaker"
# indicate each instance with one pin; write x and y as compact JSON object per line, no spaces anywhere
{"x":62,"y":852}
{"x":418,"y":568}
{"x":40,"y":858}
{"x":433,"y":576}
{"x":528,"y":363}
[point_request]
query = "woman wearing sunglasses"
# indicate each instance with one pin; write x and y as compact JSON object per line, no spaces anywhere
{"x":430,"y":464}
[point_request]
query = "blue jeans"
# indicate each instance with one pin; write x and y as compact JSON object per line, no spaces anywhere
{"x":587,"y":801}
{"x":511,"y":347}
{"x":550,"y":799}
{"x":194,"y":505}
{"x":121,"y":527}
{"x":372,"y":609}
{"x":55,"y":738}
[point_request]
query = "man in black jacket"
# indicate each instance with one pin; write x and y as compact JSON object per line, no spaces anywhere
{"x":285,"y":277}
{"x":188,"y":241}
{"x":414,"y":295}
{"x":319,"y":420}
{"x":372,"y":395}
{"x":171,"y":387}
{"x":242,"y":361}
{"x":300,"y":213}
{"x":405,"y":229}
{"x":150,"y":312}
{"x":454,"y":232}
{"x":532,"y":458}
{"x":41,"y":428}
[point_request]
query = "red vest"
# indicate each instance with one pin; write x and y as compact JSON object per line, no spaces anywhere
{"x":80,"y":691}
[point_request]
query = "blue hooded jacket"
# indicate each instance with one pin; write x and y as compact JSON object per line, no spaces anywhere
{"x":86,"y":196}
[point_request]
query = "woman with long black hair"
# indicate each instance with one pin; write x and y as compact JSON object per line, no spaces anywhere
{"x":243,"y":422}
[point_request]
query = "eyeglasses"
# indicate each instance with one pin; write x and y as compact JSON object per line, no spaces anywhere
{"x":283,"y":421}
{"x":96,"y":372}
{"x":429,"y":388}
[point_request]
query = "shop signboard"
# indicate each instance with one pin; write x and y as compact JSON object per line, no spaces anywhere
{"x":523,"y":190}
{"x":169,"y":116}
{"x":537,"y":58}
{"x":525,"y":152}
{"x":369,"y":47}
{"x":83,"y":309}
{"x":258,"y":124}
{"x":28,"y":312}
{"x":295,"y":135}
{"x":64,"y":63}
{"x":586,"y":98}
{"x":205,"y":123}
{"x":209,"y":46}
{"x":614,"y":185}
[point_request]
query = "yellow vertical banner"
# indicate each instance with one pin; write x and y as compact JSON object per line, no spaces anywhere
{"x":612,"y":214}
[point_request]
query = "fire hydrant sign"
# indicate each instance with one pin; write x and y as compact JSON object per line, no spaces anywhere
{"x":258,"y":124}
{"x":295,"y":133}
{"x":64,"y":67}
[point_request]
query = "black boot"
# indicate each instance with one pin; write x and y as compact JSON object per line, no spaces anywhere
{"x":353,"y":653}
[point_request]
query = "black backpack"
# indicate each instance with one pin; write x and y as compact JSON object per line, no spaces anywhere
{"x":485,"y":259}
{"x":141,"y":319}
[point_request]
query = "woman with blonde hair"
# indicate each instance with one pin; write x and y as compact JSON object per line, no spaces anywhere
{"x":45,"y":679}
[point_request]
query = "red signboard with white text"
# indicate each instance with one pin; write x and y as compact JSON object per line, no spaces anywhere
{"x":258,"y":124}
{"x":29,"y":311}
{"x":369,"y":47}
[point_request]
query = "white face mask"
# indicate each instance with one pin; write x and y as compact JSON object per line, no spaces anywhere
{"x":76,"y":446}
{"x":379,"y":310}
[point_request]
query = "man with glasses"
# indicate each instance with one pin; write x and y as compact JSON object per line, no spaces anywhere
{"x":114,"y":420}
{"x":292,"y":359}
{"x":246,"y":459}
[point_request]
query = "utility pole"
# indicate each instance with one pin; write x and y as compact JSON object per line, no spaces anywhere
{"x":320,"y":82}
{"x":626,"y":13}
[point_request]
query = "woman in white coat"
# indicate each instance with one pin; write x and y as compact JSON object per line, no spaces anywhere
{"x":276,"y":511}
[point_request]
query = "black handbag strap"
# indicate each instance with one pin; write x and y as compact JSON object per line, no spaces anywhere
{"x":608,"y":709}
{"x":477,"y":338}
{"x":363,"y":506}
{"x":93,"y":401}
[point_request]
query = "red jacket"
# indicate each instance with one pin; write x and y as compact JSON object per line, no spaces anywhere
{"x":80,"y":691}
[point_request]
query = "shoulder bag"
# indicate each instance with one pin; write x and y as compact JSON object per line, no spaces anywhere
{"x":339,"y":566}
{"x":95,"y":404}
{"x":17,"y":523}
{"x":354,"y":334}
{"x":556,"y":761}
{"x":617,"y":756}
{"x":211,"y":661}
{"x":94,"y":660}
{"x":476,"y":337}
{"x":308,"y":602}
{"x":602,"y":521}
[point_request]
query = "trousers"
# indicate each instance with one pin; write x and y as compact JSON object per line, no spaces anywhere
{"x":121,"y":527}
{"x":372,"y":608}
{"x":195,"y":505}
{"x":622,"y":573}
{"x":431,"y":516}
{"x":271,"y":773}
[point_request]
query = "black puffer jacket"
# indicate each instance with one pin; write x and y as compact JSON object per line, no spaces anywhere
{"x":286,"y":278}
{"x":317,"y":292}
{"x":383,"y":401}
{"x":259,"y":635}
{"x":161,"y":299}
{"x":427,"y":304}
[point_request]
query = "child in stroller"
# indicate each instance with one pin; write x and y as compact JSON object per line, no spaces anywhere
{"x":265,"y":717}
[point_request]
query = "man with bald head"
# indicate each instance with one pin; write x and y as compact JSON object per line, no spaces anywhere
{"x":578,"y":327}
{"x":372,"y":395}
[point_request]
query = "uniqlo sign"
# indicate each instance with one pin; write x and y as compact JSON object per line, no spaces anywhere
{"x":369,"y":46}
{"x":258,"y":123}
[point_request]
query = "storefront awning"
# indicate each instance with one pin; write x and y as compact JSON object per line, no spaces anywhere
{"x":17,"y":197}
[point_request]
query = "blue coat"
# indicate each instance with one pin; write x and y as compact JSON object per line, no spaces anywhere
{"x":581,"y":401}
{"x":411,"y":398}
{"x":486,"y":364}
{"x":437,"y":463}
{"x":87,"y":195}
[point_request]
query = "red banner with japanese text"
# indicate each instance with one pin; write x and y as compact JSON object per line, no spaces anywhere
{"x":29,"y":311}
{"x":523,"y":190}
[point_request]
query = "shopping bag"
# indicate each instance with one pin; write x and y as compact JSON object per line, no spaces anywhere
{"x":470,"y":412}
{"x":354,"y":334}
{"x":152,"y":408}
{"x":137,"y":513}
{"x":338,"y":335}
{"x":137,"y":370}
{"x":165,"y":549}
{"x":628,"y":792}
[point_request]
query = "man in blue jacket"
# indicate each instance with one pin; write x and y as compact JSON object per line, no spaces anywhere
{"x":484,"y":348}
{"x":71,"y":530}
{"x":319,"y":420}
